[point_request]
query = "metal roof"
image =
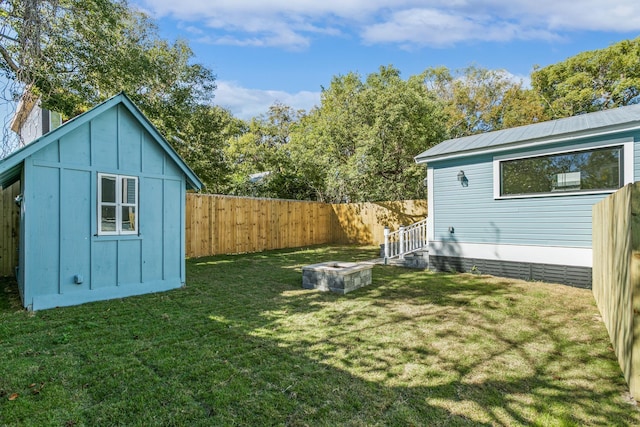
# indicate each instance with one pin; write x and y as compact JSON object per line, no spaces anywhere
{"x":11,"y":166}
{"x":616,"y":119}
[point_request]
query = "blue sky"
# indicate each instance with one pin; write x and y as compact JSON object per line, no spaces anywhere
{"x":263,"y":51}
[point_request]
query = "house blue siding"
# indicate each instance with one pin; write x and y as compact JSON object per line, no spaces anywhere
{"x":60,"y":225}
{"x":542,"y":237}
{"x":476,"y":217}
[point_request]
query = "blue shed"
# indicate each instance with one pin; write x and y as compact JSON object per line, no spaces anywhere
{"x":102,"y":209}
{"x":517,"y":202}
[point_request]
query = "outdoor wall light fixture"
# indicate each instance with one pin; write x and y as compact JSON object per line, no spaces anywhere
{"x":463,"y":179}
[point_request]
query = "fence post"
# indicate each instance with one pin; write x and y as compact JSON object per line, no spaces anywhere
{"x":386,"y":244}
{"x":401,"y":250}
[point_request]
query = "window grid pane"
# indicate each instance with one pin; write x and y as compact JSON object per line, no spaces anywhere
{"x":108,"y":222}
{"x":128,"y":218}
{"x":118,"y":204}
{"x":129,"y":190}
{"x":108,"y":187}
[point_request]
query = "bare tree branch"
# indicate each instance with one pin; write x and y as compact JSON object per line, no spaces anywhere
{"x":9,"y":60}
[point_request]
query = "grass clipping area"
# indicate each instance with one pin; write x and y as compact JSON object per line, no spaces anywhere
{"x":244,"y":344}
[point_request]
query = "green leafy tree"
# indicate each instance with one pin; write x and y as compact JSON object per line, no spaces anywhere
{"x":480,"y":100}
{"x":591,"y":81}
{"x":401,"y":120}
{"x":326,"y":139}
{"x":202,"y":140}
{"x":260,"y":159}
{"x":73,"y":54}
{"x":360,"y":142}
{"x":54,"y":46}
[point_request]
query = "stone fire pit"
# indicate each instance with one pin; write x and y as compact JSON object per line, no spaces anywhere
{"x":336,"y":276}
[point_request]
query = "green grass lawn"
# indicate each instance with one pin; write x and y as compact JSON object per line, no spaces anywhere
{"x":244,"y":344}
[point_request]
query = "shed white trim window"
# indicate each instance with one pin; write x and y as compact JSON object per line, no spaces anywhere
{"x":117,"y":204}
{"x":591,"y":169}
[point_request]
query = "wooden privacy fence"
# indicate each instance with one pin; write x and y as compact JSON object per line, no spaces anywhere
{"x":226,"y":225}
{"x":364,"y":223}
{"x":9,"y":229}
{"x":217,"y":224}
{"x":616,"y":276}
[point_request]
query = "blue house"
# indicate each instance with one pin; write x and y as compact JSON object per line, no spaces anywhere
{"x":517,"y":202}
{"x":102,"y":209}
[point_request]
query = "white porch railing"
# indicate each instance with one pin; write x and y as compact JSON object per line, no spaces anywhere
{"x":405,"y":240}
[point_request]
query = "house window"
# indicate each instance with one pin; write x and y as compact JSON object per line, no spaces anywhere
{"x":117,"y":204}
{"x":599,"y":169}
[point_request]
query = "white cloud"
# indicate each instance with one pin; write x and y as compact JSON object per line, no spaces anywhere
{"x":280,"y":23}
{"x":246,"y":103}
{"x":290,"y":24}
{"x":189,"y":9}
{"x":290,"y":40}
{"x":431,"y":27}
{"x":568,"y":15}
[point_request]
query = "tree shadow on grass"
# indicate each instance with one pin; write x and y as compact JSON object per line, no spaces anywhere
{"x":244,"y":344}
{"x":468,"y":342}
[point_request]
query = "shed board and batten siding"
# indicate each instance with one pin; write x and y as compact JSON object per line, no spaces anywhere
{"x":63,"y":260}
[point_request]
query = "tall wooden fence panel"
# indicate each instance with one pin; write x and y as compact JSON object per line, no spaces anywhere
{"x":9,"y":229}
{"x":218,"y":224}
{"x":364,"y":223}
{"x":616,"y":276}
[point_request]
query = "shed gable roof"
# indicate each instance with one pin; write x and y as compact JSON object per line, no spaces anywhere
{"x":11,"y":165}
{"x":600,"y":122}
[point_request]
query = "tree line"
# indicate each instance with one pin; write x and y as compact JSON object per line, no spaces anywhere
{"x":358,"y":144}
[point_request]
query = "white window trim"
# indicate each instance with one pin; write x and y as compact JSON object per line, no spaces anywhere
{"x":118,"y":204}
{"x":628,"y":166}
